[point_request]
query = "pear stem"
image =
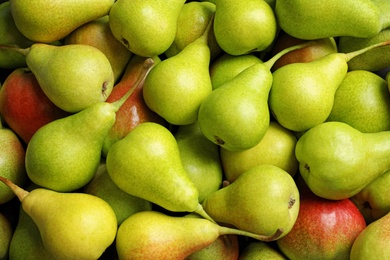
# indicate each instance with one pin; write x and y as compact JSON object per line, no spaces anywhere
{"x":146,"y":67}
{"x":17,"y":49}
{"x":353,"y":54}
{"x":19,"y":192}
{"x":233,"y":231}
{"x":200,"y":211}
{"x":272,"y":61}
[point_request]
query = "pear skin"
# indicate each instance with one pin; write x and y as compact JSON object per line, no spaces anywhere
{"x":5,"y":236}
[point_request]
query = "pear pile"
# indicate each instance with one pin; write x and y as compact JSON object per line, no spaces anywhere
{"x":140,"y":129}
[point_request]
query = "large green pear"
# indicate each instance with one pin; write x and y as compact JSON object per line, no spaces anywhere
{"x":244,"y":27}
{"x":362,"y":100}
{"x":306,"y":19}
{"x":337,"y":161}
{"x":261,"y":200}
{"x":146,"y":27}
{"x":48,"y":21}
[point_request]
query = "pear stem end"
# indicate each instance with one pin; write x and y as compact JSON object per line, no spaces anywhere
{"x":19,"y":192}
{"x":200,"y":211}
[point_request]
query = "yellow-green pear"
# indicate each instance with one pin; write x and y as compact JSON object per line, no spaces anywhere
{"x":258,"y":250}
{"x":261,"y":200}
{"x":48,"y":21}
{"x":373,"y":242}
{"x":71,"y":225}
{"x":277,"y":148}
{"x":362,"y":100}
{"x":6,"y":234}
{"x":147,"y":28}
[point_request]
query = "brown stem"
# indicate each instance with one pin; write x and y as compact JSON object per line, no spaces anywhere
{"x":19,"y":192}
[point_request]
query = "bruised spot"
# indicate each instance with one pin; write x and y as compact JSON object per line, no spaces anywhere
{"x":218,"y":140}
{"x":291,"y":202}
{"x":126,"y":43}
{"x":104,"y":88}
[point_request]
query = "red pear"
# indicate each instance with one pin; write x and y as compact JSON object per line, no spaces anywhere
{"x":24,"y":106}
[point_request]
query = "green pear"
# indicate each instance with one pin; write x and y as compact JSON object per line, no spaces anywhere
{"x":64,"y":154}
{"x":77,"y":76}
{"x":123,"y":204}
{"x":277,"y":148}
{"x":155,"y":235}
{"x":372,"y":60}
{"x":362,"y":100}
{"x":11,"y":36}
{"x":373,"y":242}
{"x":309,"y":20}
{"x":373,"y":200}
{"x":146,"y":163}
{"x":61,"y":219}
{"x":258,"y":250}
{"x":384,"y":8}
{"x":191,"y":24}
{"x":302,"y":94}
{"x":147,"y":28}
{"x":175,"y":87}
{"x":337,"y":161}
{"x":45,"y":22}
{"x":241,"y":28}
{"x":200,"y":158}
{"x":6,"y":233}
{"x":97,"y":33}
{"x":12,"y":164}
{"x":227,"y":66}
{"x":261,"y":200}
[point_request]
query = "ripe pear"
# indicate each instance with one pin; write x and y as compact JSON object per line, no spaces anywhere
{"x":155,"y":235}
{"x":261,"y":200}
{"x":258,"y":250}
{"x":241,"y":28}
{"x":175,"y":88}
{"x":200,"y":158}
{"x":5,"y":236}
{"x":373,"y":241}
{"x":309,"y":20}
{"x":74,"y":141}
{"x":147,"y":28}
{"x":302,"y":94}
{"x":362,"y":100}
{"x":45,"y":22}
{"x":12,"y":164}
{"x":277,"y":147}
{"x":61,"y":219}
{"x":146,"y":163}
{"x":97,"y":33}
{"x":337,"y":161}
{"x":123,"y":204}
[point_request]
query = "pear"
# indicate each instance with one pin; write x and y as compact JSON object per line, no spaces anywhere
{"x":146,"y":163}
{"x":123,"y":204}
{"x":337,"y":161}
{"x":97,"y":33}
{"x":61,"y":218}
{"x":147,"y":28}
{"x":5,"y":236}
{"x":77,"y":76}
{"x":227,"y":66}
{"x":362,"y":100}
{"x":200,"y":158}
{"x":74,"y":141}
{"x":258,"y":250}
{"x":45,"y":22}
{"x":261,"y":200}
{"x":309,"y":20}
{"x":373,"y":241}
{"x":302,"y":94}
{"x":277,"y":148}
{"x":155,"y":235}
{"x":175,"y":87}
{"x":241,"y":28}
{"x":12,"y":165}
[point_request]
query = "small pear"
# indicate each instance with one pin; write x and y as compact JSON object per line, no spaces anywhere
{"x":147,"y":28}
{"x":373,"y":241}
{"x":45,"y":22}
{"x":200,"y":158}
{"x":155,"y":235}
{"x":5,"y":236}
{"x":61,"y":218}
{"x":258,"y":250}
{"x":176,"y":86}
{"x":362,"y":100}
{"x":146,"y":163}
{"x":241,"y":28}
{"x":261,"y":200}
